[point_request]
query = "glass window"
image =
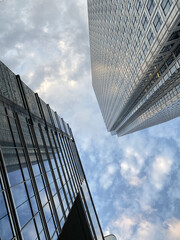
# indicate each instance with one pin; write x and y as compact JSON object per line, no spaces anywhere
{"x":150,"y":6}
{"x":24,"y":213}
{"x":165,"y":5}
{"x":39,"y":182}
{"x":144,"y":21}
{"x":34,"y":205}
{"x":138,"y":6}
{"x":25,"y":171}
{"x":30,"y":188}
{"x":145,"y":48}
{"x":157,"y":22}
{"x":19,"y":194}
{"x":38,"y":223}
{"x":129,"y":6}
{"x":3,"y":211}
{"x":5,"y":229}
{"x":43,"y":196}
{"x":134,"y":21}
{"x":139,"y":34}
{"x":150,"y":36}
{"x":29,"y":232}
{"x":14,"y":174}
{"x":35,"y":168}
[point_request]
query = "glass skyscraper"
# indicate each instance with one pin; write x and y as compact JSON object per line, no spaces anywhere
{"x":135,"y":61}
{"x":43,"y":189}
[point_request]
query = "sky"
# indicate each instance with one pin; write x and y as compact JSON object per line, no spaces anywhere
{"x":134,"y":179}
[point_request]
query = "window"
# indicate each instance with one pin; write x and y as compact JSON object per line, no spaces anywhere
{"x":150,"y":36}
{"x":144,"y":21}
{"x":134,"y":21}
{"x":166,"y":4}
{"x":145,"y":48}
{"x":157,"y":22}
{"x":130,"y":32}
{"x":135,"y":45}
{"x":129,"y":6}
{"x":139,"y":34}
{"x":140,"y":57}
{"x":150,"y":6}
{"x":138,"y":6}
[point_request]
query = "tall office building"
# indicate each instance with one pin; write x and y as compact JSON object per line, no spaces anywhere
{"x":135,"y":61}
{"x":43,"y":189}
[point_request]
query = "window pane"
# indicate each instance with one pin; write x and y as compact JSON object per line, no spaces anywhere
{"x":43,"y":196}
{"x":39,"y":182}
{"x":42,"y":236}
{"x":29,"y":232}
{"x":5,"y":229}
{"x":3,"y":210}
{"x":19,"y":194}
{"x":35,"y":169}
{"x":38,"y":223}
{"x":30,"y":188}
{"x":34,"y":205}
{"x":24,"y":213}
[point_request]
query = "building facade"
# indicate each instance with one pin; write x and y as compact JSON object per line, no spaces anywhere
{"x":135,"y":61}
{"x":43,"y":189}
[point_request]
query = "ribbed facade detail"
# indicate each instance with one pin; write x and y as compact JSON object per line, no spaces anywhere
{"x":135,"y":61}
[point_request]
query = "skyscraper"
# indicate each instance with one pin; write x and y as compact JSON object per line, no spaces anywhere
{"x":43,"y":190}
{"x":135,"y":61}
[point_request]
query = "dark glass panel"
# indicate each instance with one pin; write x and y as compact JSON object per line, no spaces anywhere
{"x":53,"y":163}
{"x":19,"y":194}
{"x":30,"y":188}
{"x":35,"y":169}
{"x":39,"y":182}
{"x":50,"y":178}
{"x":46,"y":165}
{"x":25,"y":171}
{"x":15,"y":175}
{"x":5,"y":229}
{"x":24,"y":213}
{"x":56,"y":201}
{"x":47,"y":212}
{"x":51,"y":227}
{"x":29,"y":232}
{"x":53,"y":188}
{"x":38,"y":223}
{"x":34,"y":205}
{"x":43,"y":196}
{"x":59,"y":212}
{"x":42,"y":236}
{"x":3,"y":210}
{"x":62,"y":222}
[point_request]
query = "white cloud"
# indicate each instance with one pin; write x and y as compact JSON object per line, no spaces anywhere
{"x":173,"y":229}
{"x":160,"y":169}
{"x":107,"y":175}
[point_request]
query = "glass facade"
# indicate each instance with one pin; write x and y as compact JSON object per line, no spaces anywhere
{"x":40,"y":170}
{"x":135,"y":48}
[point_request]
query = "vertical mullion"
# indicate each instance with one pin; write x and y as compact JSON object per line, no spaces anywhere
{"x":46,"y":179}
{"x":75,"y":161}
{"x":32,"y":176}
{"x":53,"y":174}
{"x":8,"y":195}
{"x":88,"y":213}
{"x":69,"y":167}
{"x":58,"y":139}
{"x":65,"y":163}
{"x":62,"y":167}
{"x":58,"y":169}
{"x":71,"y":163}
